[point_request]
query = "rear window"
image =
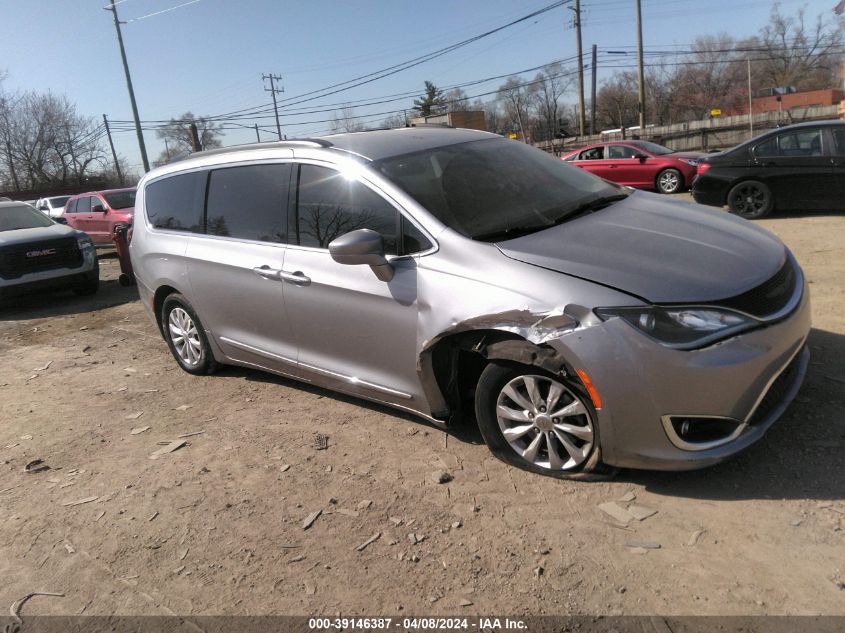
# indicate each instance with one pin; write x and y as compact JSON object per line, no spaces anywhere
{"x":22,"y":216}
{"x":120,"y":199}
{"x":176,"y":202}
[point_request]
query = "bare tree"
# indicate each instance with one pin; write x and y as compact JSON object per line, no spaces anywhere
{"x":46,"y":143}
{"x":710,"y":78}
{"x":516,"y":100}
{"x":797,"y":53}
{"x":395,"y":120}
{"x":178,"y":134}
{"x":547,"y":90}
{"x":616,"y":102}
{"x":456,"y":100}
{"x":344,"y":120}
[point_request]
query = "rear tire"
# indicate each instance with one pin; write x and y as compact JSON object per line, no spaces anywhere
{"x":185,"y":336}
{"x":504,"y":404}
{"x":751,"y":200}
{"x":669,"y":181}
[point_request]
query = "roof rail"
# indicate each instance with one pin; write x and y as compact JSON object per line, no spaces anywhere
{"x":319,"y":142}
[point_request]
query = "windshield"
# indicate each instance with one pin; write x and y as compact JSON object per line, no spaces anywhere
{"x":58,"y":201}
{"x":22,"y":217}
{"x":491,"y":187}
{"x":120,"y":199}
{"x":653,"y":148}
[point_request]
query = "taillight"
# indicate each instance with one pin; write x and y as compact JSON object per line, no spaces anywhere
{"x":702,"y":168}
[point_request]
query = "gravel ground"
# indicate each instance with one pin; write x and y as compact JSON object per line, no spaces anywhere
{"x":218,"y":526}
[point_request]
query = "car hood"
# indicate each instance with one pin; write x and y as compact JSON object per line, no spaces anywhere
{"x":660,"y":250}
{"x":22,"y":236}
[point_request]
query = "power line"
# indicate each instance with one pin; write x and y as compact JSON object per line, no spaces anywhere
{"x":150,"y":15}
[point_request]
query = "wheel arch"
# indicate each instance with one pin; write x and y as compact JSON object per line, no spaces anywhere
{"x":161,"y":293}
{"x":450,"y":367}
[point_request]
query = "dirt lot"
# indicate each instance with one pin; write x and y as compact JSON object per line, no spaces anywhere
{"x":217,"y":526}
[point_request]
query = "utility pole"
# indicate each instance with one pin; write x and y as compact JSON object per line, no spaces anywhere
{"x":195,"y":138}
{"x":593,"y":64}
{"x":257,"y":135}
{"x":750,"y":111}
{"x":640,"y":74}
{"x":581,"y":117}
{"x":273,"y":90}
{"x":138,"y":131}
{"x":113,"y":153}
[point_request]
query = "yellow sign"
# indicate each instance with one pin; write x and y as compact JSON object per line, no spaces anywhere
{"x":715,"y":112}
{"x":512,"y":135}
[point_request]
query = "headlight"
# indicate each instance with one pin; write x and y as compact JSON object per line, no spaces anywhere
{"x":682,"y":327}
{"x":689,"y":161}
{"x":84,"y":242}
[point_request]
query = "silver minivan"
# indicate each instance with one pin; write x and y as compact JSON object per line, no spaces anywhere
{"x":457,"y":273}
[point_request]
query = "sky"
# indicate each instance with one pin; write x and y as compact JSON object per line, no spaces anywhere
{"x":208,"y":56}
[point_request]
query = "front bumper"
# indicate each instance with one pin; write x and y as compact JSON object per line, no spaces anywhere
{"x":52,"y":279}
{"x":641,"y":383}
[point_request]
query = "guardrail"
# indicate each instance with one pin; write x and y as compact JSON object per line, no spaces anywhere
{"x":703,"y":135}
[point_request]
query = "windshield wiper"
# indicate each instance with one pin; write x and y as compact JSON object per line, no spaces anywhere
{"x":510,"y":233}
{"x":589,"y":207}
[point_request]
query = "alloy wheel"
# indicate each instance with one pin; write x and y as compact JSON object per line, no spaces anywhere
{"x":668,"y":182}
{"x":749,"y":200}
{"x":545,"y":422}
{"x":185,"y":337}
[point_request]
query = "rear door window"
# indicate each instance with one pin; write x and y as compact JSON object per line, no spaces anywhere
{"x":249,"y":202}
{"x":621,"y":151}
{"x":792,"y":144}
{"x":71,"y":207}
{"x":330,"y":205}
{"x":176,"y":202}
{"x":838,"y":140}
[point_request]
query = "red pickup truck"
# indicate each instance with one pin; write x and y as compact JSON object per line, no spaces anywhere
{"x":97,"y":212}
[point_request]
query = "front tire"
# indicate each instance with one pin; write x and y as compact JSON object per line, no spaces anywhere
{"x":669,"y":181}
{"x":751,"y":200}
{"x":538,"y":422}
{"x":185,"y":336}
{"x":90,"y":285}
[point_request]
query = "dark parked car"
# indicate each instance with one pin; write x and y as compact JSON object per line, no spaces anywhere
{"x":795,"y":168}
{"x":639,"y":164}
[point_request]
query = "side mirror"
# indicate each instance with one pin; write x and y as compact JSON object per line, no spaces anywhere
{"x":641,"y":157}
{"x":363,"y":246}
{"x":98,"y":208}
{"x":60,"y":220}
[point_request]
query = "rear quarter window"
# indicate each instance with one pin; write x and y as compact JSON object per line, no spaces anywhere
{"x":176,"y":202}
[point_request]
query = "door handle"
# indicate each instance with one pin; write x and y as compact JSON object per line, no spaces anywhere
{"x":297,"y":278}
{"x":268,"y":273}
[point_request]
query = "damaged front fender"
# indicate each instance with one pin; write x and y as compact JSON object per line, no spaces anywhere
{"x":533,"y":329}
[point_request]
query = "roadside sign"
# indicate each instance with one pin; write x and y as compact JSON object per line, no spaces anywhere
{"x":512,"y":135}
{"x":715,"y":112}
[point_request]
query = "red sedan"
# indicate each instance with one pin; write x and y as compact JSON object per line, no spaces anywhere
{"x":639,"y":164}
